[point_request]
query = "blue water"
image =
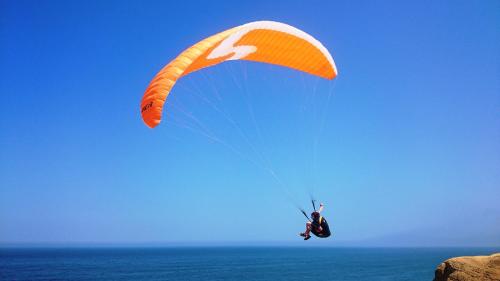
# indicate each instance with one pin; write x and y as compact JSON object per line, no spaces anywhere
{"x":225,"y":263}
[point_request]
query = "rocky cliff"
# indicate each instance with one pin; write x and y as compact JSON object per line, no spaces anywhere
{"x":477,"y":268}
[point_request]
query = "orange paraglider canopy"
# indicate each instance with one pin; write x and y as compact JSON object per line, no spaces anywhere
{"x":261,"y":41}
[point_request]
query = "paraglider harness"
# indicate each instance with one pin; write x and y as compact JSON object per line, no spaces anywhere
{"x":317,"y":224}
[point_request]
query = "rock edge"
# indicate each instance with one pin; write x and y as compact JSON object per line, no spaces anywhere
{"x":469,"y":268}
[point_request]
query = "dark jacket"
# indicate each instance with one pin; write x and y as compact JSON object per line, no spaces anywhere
{"x":325,"y":231}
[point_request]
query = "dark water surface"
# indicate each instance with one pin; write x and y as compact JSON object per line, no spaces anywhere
{"x":226,"y":263}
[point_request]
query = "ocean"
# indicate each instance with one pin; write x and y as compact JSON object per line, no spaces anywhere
{"x":226,"y":263}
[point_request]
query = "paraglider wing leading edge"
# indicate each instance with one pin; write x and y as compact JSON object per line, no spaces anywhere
{"x":261,"y":41}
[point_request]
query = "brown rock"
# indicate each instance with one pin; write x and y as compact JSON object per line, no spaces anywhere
{"x":477,"y":268}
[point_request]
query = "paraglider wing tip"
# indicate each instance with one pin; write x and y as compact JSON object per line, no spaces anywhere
{"x":149,"y":121}
{"x":334,"y":73}
{"x":152,"y":123}
{"x":330,"y":76}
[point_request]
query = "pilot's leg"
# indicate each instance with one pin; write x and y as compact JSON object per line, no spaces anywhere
{"x":307,"y":234}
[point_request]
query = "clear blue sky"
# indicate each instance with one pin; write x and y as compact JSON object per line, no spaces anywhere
{"x":405,"y":150}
